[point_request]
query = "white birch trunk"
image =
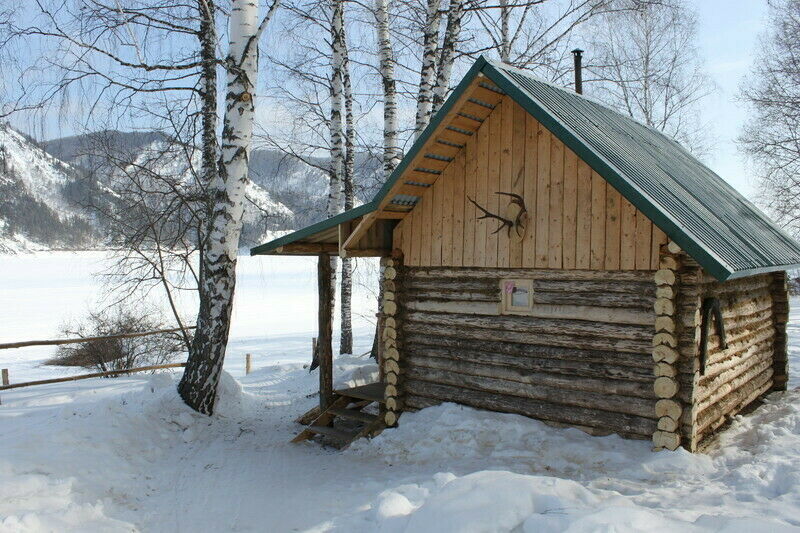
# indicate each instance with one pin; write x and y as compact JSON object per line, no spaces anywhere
{"x":452,"y":31}
{"x":346,"y":339}
{"x":391,"y":150}
{"x":505,"y":37}
{"x":430,"y":43}
{"x":198,"y":387}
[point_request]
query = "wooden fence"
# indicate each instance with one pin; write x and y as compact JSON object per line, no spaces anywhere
{"x":108,"y":373}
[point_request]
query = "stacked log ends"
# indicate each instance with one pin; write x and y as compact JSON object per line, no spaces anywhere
{"x":780,"y":316}
{"x":665,"y":354}
{"x":391,"y":267}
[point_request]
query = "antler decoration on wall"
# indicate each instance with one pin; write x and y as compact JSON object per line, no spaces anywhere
{"x":517,"y":214}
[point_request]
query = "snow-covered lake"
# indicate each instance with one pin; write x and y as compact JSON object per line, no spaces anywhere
{"x":122,"y":455}
{"x":274,"y":315}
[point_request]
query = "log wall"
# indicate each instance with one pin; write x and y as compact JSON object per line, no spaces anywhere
{"x":754,"y":311}
{"x":576,"y":220}
{"x":583,"y":359}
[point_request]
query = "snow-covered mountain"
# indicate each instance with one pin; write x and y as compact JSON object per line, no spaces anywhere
{"x":38,"y":195}
{"x":43,"y":185}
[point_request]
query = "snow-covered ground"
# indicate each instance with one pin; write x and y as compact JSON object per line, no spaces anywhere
{"x":127,"y":455}
{"x":274,"y":315}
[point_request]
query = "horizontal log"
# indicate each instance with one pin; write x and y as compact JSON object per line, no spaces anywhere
{"x":616,"y":422}
{"x":716,"y":414}
{"x":725,"y":383}
{"x":557,"y":340}
{"x":422,"y":337}
{"x":665,"y":387}
{"x":624,"y":387}
{"x":664,"y":306}
{"x":546,"y":274}
{"x":762,"y":344}
{"x":642,"y":407}
{"x":662,"y":353}
{"x":665,"y":369}
{"x":664,"y":277}
{"x":668,"y":262}
{"x":609,"y":315}
{"x":536,"y":326}
{"x":600,"y":368}
{"x":665,"y":338}
{"x":664,"y":439}
{"x":668,"y":424}
{"x":665,"y":323}
{"x":669,"y":408}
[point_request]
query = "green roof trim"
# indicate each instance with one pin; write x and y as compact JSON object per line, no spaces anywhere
{"x":726,"y":234}
{"x":312,"y":229}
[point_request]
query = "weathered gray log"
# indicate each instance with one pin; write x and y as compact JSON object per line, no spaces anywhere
{"x":606,"y":402}
{"x":562,"y":340}
{"x":715,"y":415}
{"x":548,"y":274}
{"x":569,"y":366}
{"x":616,"y":422}
{"x":531,"y":326}
{"x":421,"y":336}
{"x":462,"y":366}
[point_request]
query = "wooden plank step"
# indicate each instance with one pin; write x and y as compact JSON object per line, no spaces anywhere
{"x":337,"y":434}
{"x":354,"y":414}
{"x":373,"y":392}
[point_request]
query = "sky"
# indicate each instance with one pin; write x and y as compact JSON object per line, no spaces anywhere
{"x":728,"y":35}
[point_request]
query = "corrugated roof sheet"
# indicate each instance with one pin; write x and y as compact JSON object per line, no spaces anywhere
{"x":723,"y":231}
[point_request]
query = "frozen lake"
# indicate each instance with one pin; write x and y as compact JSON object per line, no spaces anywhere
{"x":274,"y":315}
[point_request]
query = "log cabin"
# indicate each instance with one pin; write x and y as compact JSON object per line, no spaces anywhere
{"x":545,"y":255}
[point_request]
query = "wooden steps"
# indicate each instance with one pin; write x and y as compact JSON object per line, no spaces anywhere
{"x":344,"y":421}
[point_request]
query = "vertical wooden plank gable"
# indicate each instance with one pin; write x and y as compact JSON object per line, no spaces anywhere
{"x":518,"y":176}
{"x":492,"y":202}
{"x":627,"y":246}
{"x":583,"y":218}
{"x":556,"y":203}
{"x":569,"y":220}
{"x":459,"y":184}
{"x":598,"y":232}
{"x":543,"y":197}
{"x":613,"y":199}
{"x":506,"y":178}
{"x":531,"y":166}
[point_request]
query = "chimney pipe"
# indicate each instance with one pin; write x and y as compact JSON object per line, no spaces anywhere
{"x":577,"y":55}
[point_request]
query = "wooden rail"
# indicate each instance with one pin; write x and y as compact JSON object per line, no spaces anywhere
{"x":54,"y":342}
{"x":94,"y":375}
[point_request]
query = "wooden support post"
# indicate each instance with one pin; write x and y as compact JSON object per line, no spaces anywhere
{"x":325,"y":335}
{"x":5,"y":377}
{"x":247,"y":364}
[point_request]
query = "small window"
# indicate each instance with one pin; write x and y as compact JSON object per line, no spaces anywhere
{"x":517,"y":296}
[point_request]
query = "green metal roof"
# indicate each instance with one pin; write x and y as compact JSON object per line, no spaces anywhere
{"x":702,"y":213}
{"x":312,"y":229}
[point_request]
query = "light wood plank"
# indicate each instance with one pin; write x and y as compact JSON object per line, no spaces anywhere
{"x":543,"y":198}
{"x":447,"y":197}
{"x":583,"y":218}
{"x":627,"y":247}
{"x":598,"y":233}
{"x":414,"y":236}
{"x":644,"y":233}
{"x":437,"y":222}
{"x":531,"y":165}
{"x":481,"y":183}
{"x":506,"y":178}
{"x":458,"y":210}
{"x":569,"y":228}
{"x":613,"y":210}
{"x":518,"y":176}
{"x":493,"y":183}
{"x":659,"y":238}
{"x":556,"y":202}
{"x":426,"y":230}
{"x":470,"y":213}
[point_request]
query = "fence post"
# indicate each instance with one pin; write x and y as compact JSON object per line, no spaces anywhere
{"x":247,"y":364}
{"x":5,"y":376}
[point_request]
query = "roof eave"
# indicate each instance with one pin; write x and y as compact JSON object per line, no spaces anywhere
{"x":308,"y":231}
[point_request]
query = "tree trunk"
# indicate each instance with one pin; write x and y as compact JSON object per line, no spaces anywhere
{"x":391,"y":151}
{"x":447,"y":53}
{"x":430,"y":42}
{"x":198,"y":387}
{"x":505,"y":37}
{"x":324,"y":350}
{"x":346,"y":340}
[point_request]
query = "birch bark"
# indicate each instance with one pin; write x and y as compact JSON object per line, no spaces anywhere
{"x":455,"y":14}
{"x":430,"y":43}
{"x":198,"y":387}
{"x":391,"y":150}
{"x":346,"y":340}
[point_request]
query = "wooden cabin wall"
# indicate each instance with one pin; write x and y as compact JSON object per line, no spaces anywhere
{"x":584,"y":358}
{"x":576,"y":219}
{"x":754,"y":311}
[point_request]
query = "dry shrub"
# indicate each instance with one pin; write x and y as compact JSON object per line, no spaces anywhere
{"x":119,"y":354}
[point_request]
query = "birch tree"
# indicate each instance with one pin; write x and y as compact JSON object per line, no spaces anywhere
{"x":430,"y":44}
{"x":391,"y":149}
{"x":771,"y":137}
{"x":444,"y":69}
{"x":645,"y":62}
{"x":198,"y":387}
{"x":346,"y":339}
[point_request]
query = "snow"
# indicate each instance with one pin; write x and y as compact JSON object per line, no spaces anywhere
{"x":127,"y":455}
